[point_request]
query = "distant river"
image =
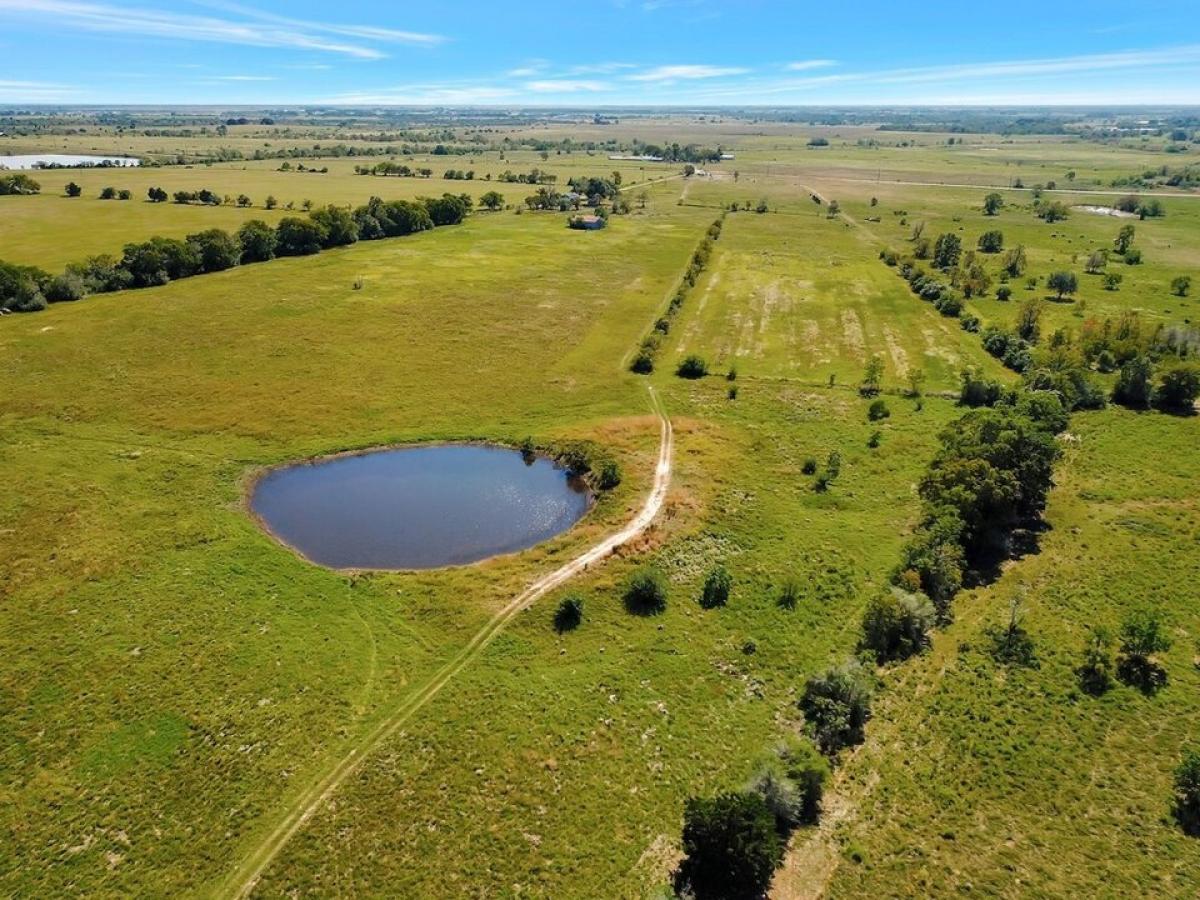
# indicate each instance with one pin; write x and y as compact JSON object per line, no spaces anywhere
{"x":66,"y":160}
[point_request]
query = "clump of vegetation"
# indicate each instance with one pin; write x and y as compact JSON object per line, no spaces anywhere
{"x":18,"y":183}
{"x":897,"y":624}
{"x":569,"y":614}
{"x":791,"y":781}
{"x":872,"y":378}
{"x":836,"y":706}
{"x":1095,"y":670}
{"x":1187,"y":794}
{"x":878,"y":410}
{"x":717,"y":585}
{"x":646,"y":591}
{"x":731,"y":848}
{"x":789,"y":593}
{"x":828,"y":475}
{"x":692,"y":366}
{"x":1142,"y":638}
{"x":1011,"y":644}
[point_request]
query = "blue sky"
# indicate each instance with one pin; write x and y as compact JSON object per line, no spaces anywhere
{"x":598,"y":52}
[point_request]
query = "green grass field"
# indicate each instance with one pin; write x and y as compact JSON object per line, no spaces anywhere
{"x":175,"y":679}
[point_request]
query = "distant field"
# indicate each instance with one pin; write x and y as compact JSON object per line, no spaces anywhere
{"x":175,"y":678}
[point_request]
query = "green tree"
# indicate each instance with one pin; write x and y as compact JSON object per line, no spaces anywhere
{"x":1181,"y":285}
{"x":991,"y":242}
{"x":791,"y":781}
{"x":492,"y":200}
{"x":1124,"y":239}
{"x":1187,"y":793}
{"x":569,"y":614}
{"x":1062,"y":283}
{"x":896,"y":624}
{"x":1054,"y":211}
{"x":1013,"y":263}
{"x":836,"y":706}
{"x":717,"y":585}
{"x":217,"y":250}
{"x":73,"y":190}
{"x":947,"y":250}
{"x":872,"y":377}
{"x":1135,"y":384}
{"x":1095,"y":671}
{"x":692,"y":366}
{"x":992,"y":204}
{"x":646,"y":591}
{"x":1178,"y":387}
{"x":1029,"y":320}
{"x":257,"y":241}
{"x":731,"y":848}
{"x":1142,"y":638}
{"x":298,"y":237}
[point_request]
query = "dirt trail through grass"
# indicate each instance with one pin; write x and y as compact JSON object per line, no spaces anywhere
{"x":243,"y":880}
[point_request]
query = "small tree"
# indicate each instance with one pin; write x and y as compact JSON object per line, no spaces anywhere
{"x":1142,"y":637}
{"x":872,"y":377}
{"x":1181,"y":285}
{"x":717,"y":585}
{"x":271,"y":202}
{"x":878,"y":410}
{"x":1095,"y":671}
{"x":1029,"y":320}
{"x":1011,"y":643}
{"x":1096,"y":262}
{"x":569,"y":614}
{"x":731,"y":848}
{"x":1178,"y":388}
{"x":789,"y":591}
{"x":108,"y":193}
{"x":791,"y":781}
{"x":947,"y":250}
{"x":991,"y":242}
{"x":1062,"y":283}
{"x":1054,"y":211}
{"x":836,"y":705}
{"x":1187,"y":794}
{"x":1124,"y":239}
{"x":1112,"y":280}
{"x":1135,"y":384}
{"x":896,"y":624}
{"x":692,"y":366}
{"x":646,"y":591}
{"x":992,"y":204}
{"x":73,"y":190}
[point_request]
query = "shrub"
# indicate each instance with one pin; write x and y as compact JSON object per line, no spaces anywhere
{"x":1004,"y":293}
{"x":108,"y":193}
{"x":643,"y":362}
{"x":878,"y":410}
{"x":789,"y":593}
{"x":66,"y":287}
{"x":809,"y":467}
{"x":1011,"y":644}
{"x":646,"y":592}
{"x":298,"y":237}
{"x":1142,"y":636}
{"x":731,"y":848}
{"x":1095,"y":671}
{"x":875,"y":439}
{"x":991,"y":242}
{"x":609,"y":475}
{"x":1187,"y":794}
{"x":216,"y":250}
{"x":692,"y":366}
{"x":836,"y":705}
{"x":17,"y":183}
{"x":569,"y":614}
{"x":979,"y":391}
{"x":1178,"y":387}
{"x":1133,"y":257}
{"x":257,"y":241}
{"x":896,"y":625}
{"x":872,"y":377}
{"x":717,"y":585}
{"x":72,"y":189}
{"x":1181,"y":285}
{"x":791,"y":782}
{"x":1135,"y":386}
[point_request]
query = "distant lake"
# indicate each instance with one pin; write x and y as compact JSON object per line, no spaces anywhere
{"x":418,"y":507}
{"x":65,"y":160}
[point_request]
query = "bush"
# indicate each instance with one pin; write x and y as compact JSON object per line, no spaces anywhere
{"x":609,"y":475}
{"x":809,"y":467}
{"x":66,"y":287}
{"x":17,"y":183}
{"x":1004,"y":293}
{"x":789,"y":593}
{"x":1187,"y":794}
{"x":257,"y":241}
{"x":1178,"y":388}
{"x":836,"y":705}
{"x":896,"y":625}
{"x":692,"y":366}
{"x":646,"y":592}
{"x":878,"y":410}
{"x":298,"y":237}
{"x":643,"y":363}
{"x":791,"y":782}
{"x":979,"y":391}
{"x":1142,"y":636}
{"x":1095,"y":671}
{"x":1135,"y":384}
{"x":717,"y":585}
{"x":731,"y":848}
{"x":569,"y":614}
{"x":991,"y":242}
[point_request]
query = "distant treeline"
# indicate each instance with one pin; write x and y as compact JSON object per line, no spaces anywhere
{"x":161,"y":260}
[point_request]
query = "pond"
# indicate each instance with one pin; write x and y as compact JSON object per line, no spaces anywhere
{"x":418,"y":507}
{"x":65,"y":160}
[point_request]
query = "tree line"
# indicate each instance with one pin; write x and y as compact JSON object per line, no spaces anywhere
{"x":160,"y":260}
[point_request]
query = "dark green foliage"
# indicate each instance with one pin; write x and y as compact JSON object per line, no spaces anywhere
{"x":1178,"y":387}
{"x":1181,"y":285}
{"x":569,"y":614}
{"x":717,"y":585}
{"x":947,"y":250}
{"x":159,"y":260}
{"x":731,"y":848}
{"x":896,"y":624}
{"x":789,"y":592}
{"x":992,"y":204}
{"x":878,"y":410}
{"x":791,"y":781}
{"x":298,"y":237}
{"x":156,"y":195}
{"x":977,"y":390}
{"x":646,"y":591}
{"x":692,"y":366}
{"x":872,"y":377}
{"x":66,"y":287}
{"x":1187,"y":794}
{"x":1135,"y":384}
{"x":217,"y":250}
{"x":643,"y":362}
{"x":1142,"y":637}
{"x":1004,"y":293}
{"x":836,"y":705}
{"x":21,"y":288}
{"x":1063,"y":283}
{"x":1011,"y":644}
{"x":337,"y":225}
{"x":257,"y":241}
{"x":108,"y":193}
{"x":991,"y":242}
{"x":1054,"y":211}
{"x":446,"y":210}
{"x":1095,"y":670}
{"x":72,"y":189}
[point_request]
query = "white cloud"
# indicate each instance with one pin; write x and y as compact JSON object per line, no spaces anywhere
{"x":806,"y":65}
{"x":675,"y":73}
{"x":242,"y":78}
{"x":566,"y":86}
{"x":427,"y":95}
{"x":292,"y":33}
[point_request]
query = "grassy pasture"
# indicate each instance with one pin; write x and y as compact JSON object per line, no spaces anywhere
{"x":174,"y":676}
